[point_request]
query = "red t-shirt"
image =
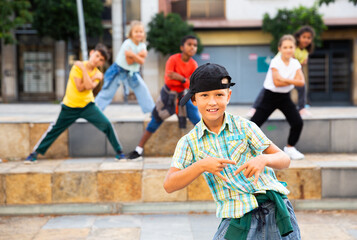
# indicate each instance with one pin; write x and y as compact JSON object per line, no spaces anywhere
{"x":175,"y":64}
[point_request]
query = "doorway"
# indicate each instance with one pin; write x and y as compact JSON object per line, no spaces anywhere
{"x":330,"y":74}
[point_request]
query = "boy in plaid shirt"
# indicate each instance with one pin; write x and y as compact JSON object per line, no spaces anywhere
{"x":236,"y":159}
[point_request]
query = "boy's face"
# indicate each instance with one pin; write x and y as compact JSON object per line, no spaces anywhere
{"x":96,"y":58}
{"x":212,"y":104}
{"x":190,"y":47}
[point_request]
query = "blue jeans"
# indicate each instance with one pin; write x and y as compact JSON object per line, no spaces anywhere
{"x":112,"y":78}
{"x":192,"y":114}
{"x":269,"y":231}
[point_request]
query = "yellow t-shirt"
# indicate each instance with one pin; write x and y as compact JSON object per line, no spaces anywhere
{"x":74,"y":98}
{"x":301,"y":54}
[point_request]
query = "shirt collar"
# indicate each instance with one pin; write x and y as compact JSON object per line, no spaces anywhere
{"x":227,"y":124}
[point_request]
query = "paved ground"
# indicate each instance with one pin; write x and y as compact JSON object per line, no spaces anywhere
{"x":313,"y":225}
{"x":41,"y":112}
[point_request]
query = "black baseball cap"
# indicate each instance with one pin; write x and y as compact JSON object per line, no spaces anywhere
{"x":207,"y":77}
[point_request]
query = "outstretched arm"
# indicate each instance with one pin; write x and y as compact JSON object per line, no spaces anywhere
{"x":177,"y":179}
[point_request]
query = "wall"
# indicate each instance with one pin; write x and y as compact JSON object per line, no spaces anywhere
{"x":255,"y":9}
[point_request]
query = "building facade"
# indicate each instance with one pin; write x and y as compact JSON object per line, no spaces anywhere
{"x":230,"y":30}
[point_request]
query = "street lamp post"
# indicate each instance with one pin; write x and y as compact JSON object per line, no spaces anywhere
{"x":82,"y":30}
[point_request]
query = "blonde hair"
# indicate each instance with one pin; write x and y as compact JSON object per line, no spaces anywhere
{"x":286,"y":37}
{"x":134,"y":24}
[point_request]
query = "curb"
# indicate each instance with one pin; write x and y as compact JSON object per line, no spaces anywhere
{"x":159,"y":208}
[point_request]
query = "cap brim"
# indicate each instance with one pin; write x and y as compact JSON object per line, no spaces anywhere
{"x":185,"y":98}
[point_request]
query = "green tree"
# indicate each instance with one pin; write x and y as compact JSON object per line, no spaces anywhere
{"x":165,"y":33}
{"x":288,"y":21}
{"x":58,"y":19}
{"x":327,"y":2}
{"x":12,"y":15}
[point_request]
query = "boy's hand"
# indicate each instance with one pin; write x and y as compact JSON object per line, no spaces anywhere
{"x":98,"y":75}
{"x":253,"y":167}
{"x":79,"y":64}
{"x":215,"y":166}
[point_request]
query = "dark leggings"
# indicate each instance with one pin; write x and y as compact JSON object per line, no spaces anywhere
{"x":281,"y":101}
{"x":301,"y":97}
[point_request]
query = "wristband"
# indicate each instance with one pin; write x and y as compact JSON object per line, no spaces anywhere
{"x":184,"y":80}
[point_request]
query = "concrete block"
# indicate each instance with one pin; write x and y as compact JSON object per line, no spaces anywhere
{"x":163,"y":141}
{"x":344,"y":136}
{"x":14,"y":140}
{"x":85,"y":140}
{"x":277,"y":131}
{"x":28,"y":188}
{"x":198,"y":190}
{"x":74,"y":187}
{"x":339,"y":183}
{"x":153,"y":190}
{"x":129,"y":134}
{"x":59,"y":149}
{"x":315,"y":137}
{"x":123,"y":186}
{"x":303,"y":183}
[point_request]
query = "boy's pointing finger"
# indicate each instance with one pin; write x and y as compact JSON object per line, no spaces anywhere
{"x":221,"y":176}
{"x":240,"y":169}
{"x":227,"y":161}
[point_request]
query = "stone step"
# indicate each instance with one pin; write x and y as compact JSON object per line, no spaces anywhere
{"x":84,"y":140}
{"x":190,"y":207}
{"x":105,"y":181}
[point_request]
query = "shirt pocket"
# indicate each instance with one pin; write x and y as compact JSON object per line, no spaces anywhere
{"x":237,"y":149}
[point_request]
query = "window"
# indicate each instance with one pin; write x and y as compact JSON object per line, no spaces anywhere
{"x":132,"y":10}
{"x":194,"y":9}
{"x":205,"y":9}
{"x":107,"y":10}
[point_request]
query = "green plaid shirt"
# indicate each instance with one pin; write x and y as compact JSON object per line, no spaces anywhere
{"x":238,"y":140}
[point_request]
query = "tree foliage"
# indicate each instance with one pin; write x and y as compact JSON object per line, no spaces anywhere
{"x":165,"y":33}
{"x":327,"y":2}
{"x":288,"y":21}
{"x":58,"y":18}
{"x":12,"y":15}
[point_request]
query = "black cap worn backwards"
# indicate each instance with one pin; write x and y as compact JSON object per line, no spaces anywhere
{"x":207,"y":77}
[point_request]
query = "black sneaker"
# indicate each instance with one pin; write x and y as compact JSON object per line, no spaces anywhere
{"x":134,"y":156}
{"x":32,"y":158}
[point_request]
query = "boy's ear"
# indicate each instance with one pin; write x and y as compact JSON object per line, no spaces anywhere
{"x":181,"y":48}
{"x":193,"y":100}
{"x":229,"y":95}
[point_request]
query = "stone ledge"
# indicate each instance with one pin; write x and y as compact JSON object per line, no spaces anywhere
{"x":82,"y":139}
{"x":101,"y":180}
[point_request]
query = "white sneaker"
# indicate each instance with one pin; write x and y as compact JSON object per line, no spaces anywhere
{"x":293,"y":153}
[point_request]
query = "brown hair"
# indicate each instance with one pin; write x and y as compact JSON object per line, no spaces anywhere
{"x":303,"y":30}
{"x":134,"y":24}
{"x":286,"y":37}
{"x":103,"y":50}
